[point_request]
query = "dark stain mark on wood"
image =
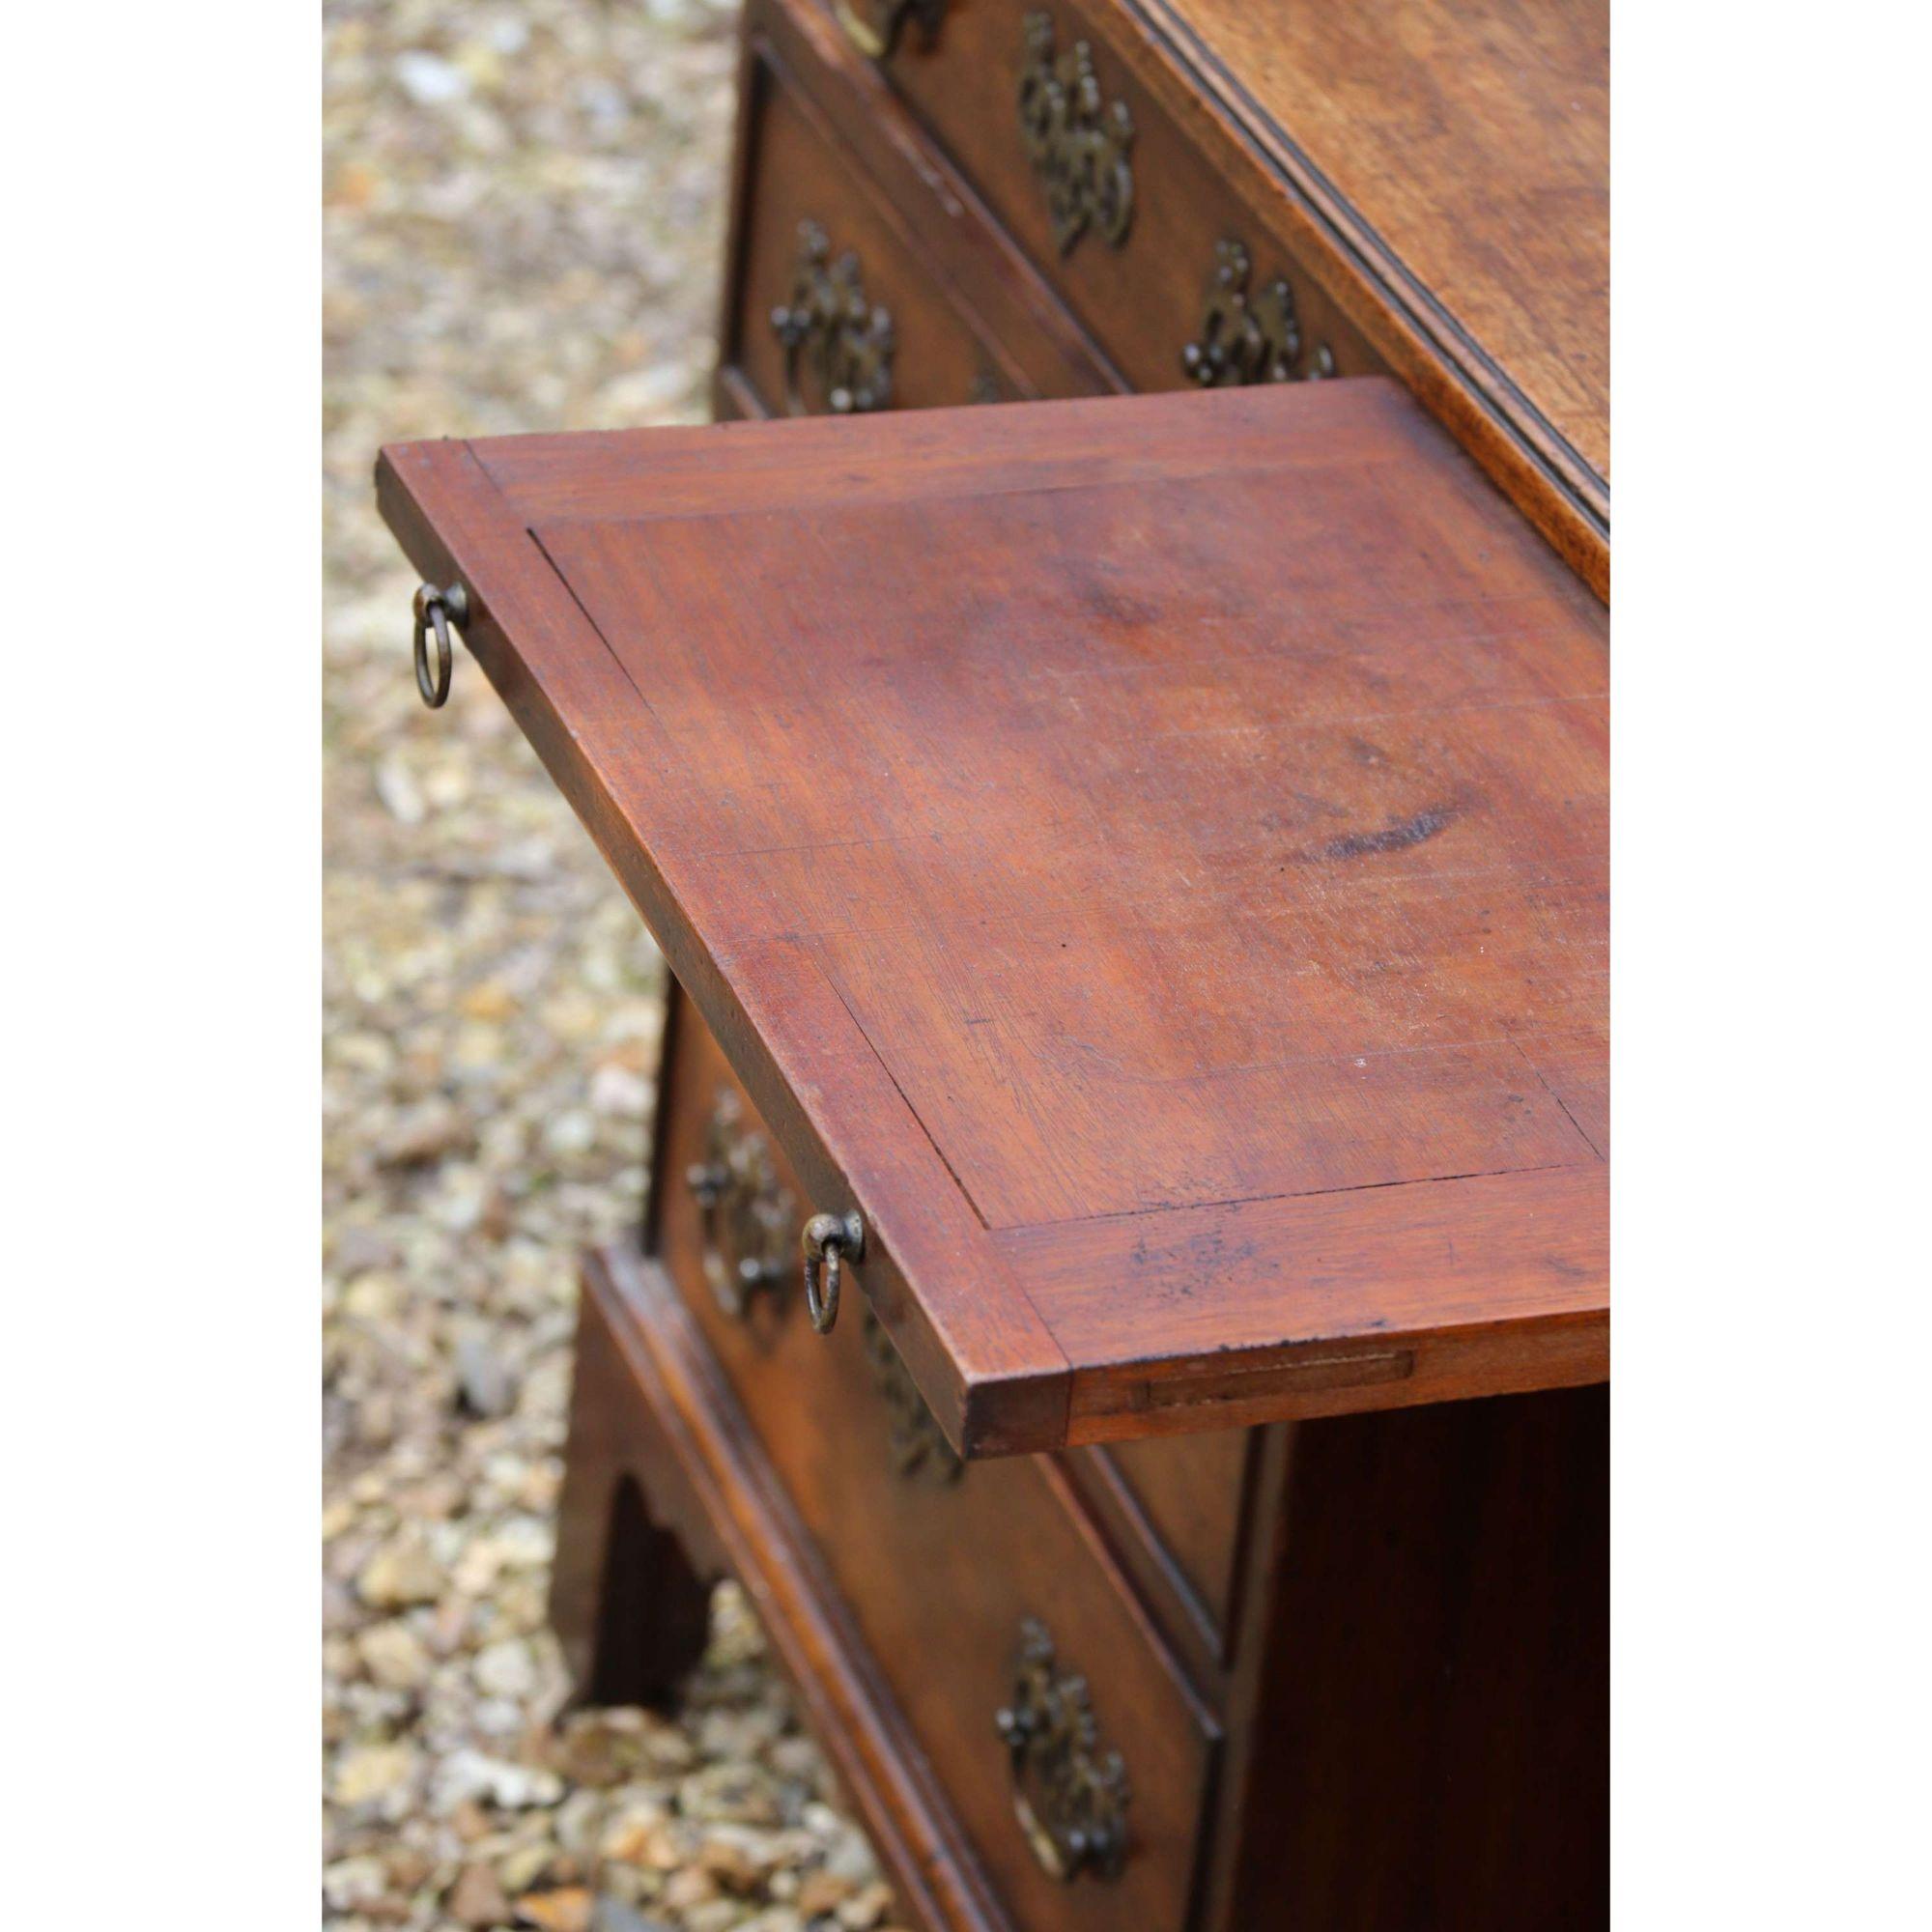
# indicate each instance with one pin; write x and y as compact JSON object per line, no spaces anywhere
{"x":1412,"y":830}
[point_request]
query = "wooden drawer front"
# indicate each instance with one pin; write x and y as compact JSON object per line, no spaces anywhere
{"x":1181,"y":1498}
{"x":1141,"y":289}
{"x":942,"y":1566}
{"x":876,"y":324}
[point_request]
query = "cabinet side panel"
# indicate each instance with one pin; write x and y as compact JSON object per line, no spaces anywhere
{"x":1430,"y":1727}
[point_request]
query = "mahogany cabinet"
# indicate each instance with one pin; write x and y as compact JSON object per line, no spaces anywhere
{"x":1124,"y":1281}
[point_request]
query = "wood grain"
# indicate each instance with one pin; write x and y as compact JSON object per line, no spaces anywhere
{"x":1150,"y":853}
{"x":1236,"y":1307}
{"x":1420,"y":1730}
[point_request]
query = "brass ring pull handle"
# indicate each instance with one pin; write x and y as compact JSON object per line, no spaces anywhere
{"x":435,"y":612}
{"x":862,"y":35}
{"x":829,"y":1239}
{"x":876,"y":37}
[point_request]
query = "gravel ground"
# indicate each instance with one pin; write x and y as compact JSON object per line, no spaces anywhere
{"x":523,"y":218}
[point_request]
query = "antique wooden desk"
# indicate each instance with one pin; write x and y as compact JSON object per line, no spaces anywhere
{"x":1124,"y":1277}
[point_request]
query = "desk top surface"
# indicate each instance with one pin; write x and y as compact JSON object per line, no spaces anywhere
{"x":1474,"y":138}
{"x":1457,"y":155}
{"x":1150,"y":854}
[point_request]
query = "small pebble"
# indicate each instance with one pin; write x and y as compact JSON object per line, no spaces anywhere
{"x":400,"y":1574}
{"x":612,"y":1914}
{"x":372,"y":1772}
{"x":393,"y":1656}
{"x":477,"y":1898}
{"x":568,"y":1910}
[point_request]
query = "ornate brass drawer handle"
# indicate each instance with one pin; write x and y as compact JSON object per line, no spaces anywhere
{"x":1250,"y":338}
{"x":873,"y":26}
{"x":748,"y":1211}
{"x":1076,"y":142}
{"x":829,"y":1241}
{"x":1070,"y":1794}
{"x":918,"y":1445}
{"x":434,"y":611}
{"x":842,"y":340}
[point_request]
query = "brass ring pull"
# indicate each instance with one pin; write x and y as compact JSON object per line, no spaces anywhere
{"x":829,"y":1239}
{"x":862,"y":35}
{"x":876,"y":39}
{"x":435,"y":612}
